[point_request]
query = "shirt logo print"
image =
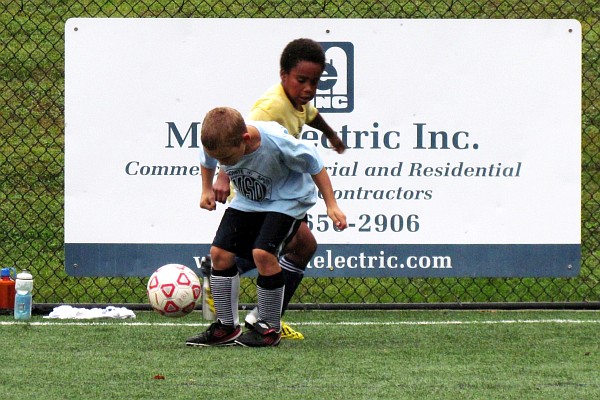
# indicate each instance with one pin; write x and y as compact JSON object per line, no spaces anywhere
{"x":251,"y":184}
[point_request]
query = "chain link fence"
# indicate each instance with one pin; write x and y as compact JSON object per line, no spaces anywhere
{"x":32,"y":153}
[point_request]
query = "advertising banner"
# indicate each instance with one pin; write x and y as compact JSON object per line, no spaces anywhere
{"x":463,"y":140}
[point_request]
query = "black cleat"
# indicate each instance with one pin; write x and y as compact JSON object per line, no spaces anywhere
{"x":263,"y":335}
{"x":217,"y":334}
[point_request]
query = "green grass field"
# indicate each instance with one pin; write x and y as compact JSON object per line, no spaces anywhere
{"x":346,"y":355}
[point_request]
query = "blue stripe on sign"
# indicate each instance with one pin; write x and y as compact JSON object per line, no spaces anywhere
{"x":356,"y":260}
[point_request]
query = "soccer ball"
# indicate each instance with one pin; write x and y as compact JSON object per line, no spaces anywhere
{"x":173,"y":290}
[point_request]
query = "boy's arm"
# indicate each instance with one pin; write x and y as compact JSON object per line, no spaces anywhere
{"x":333,"y":211}
{"x":207,"y":198}
{"x":331,"y":135}
{"x":221,"y":187}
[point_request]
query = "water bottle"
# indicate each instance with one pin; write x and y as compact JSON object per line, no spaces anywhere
{"x":7,"y":290}
{"x":23,"y":296}
{"x":207,"y":300}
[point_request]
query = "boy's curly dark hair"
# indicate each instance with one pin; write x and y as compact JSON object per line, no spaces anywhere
{"x":301,"y":50}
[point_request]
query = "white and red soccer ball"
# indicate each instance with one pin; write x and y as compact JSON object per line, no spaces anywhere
{"x":173,"y":290}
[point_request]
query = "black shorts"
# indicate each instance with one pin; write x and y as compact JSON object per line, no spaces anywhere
{"x":240,"y":232}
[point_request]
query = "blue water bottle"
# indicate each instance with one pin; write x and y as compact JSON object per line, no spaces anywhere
{"x":23,"y":295}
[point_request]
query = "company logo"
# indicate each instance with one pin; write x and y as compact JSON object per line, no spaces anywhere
{"x":335,"y":93}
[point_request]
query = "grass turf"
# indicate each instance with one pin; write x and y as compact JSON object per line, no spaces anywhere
{"x":346,"y":355}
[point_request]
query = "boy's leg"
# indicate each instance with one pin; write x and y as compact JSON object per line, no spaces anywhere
{"x":225,"y":284}
{"x":266,"y":331}
{"x":270,"y":296}
{"x":235,"y":235}
{"x":274,"y":233}
{"x":297,"y":254}
{"x":208,"y":305}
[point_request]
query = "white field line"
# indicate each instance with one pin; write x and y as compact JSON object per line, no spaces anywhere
{"x":308,"y":323}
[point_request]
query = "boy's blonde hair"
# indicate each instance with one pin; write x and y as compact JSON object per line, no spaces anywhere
{"x":222,"y":127}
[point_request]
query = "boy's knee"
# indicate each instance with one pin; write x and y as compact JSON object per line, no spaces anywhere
{"x":220,"y":258}
{"x":311,"y":246}
{"x":301,"y":249}
{"x":262,"y":257}
{"x":266,"y":263}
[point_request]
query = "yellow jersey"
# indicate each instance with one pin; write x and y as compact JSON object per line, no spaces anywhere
{"x":274,"y":105}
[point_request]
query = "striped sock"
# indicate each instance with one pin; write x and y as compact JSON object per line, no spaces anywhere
{"x":270,"y":298}
{"x":225,"y":290}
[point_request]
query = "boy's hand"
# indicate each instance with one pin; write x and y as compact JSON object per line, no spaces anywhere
{"x":337,"y":144}
{"x":221,"y":188}
{"x":207,"y":201}
{"x":338,"y":217}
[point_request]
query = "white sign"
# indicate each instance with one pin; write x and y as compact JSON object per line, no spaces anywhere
{"x":463,"y":141}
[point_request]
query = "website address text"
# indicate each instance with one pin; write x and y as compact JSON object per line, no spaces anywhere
{"x":381,"y":261}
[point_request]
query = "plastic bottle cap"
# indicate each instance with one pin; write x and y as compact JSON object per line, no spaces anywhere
{"x":8,"y":272}
{"x":24,"y":276}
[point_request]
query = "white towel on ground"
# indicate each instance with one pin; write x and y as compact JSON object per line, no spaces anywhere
{"x":69,"y":312}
